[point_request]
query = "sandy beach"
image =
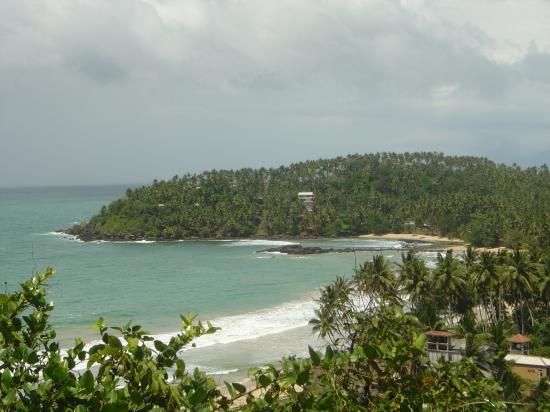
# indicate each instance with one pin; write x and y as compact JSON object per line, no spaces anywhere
{"x":457,"y":245}
{"x":413,"y":236}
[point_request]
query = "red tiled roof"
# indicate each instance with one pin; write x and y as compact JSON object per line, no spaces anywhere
{"x":519,"y":338}
{"x":439,"y":333}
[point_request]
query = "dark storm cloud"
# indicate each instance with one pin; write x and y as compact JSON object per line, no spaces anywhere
{"x":129,"y":90}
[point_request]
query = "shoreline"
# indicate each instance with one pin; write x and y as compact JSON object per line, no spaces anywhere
{"x":413,"y":236}
{"x":82,"y":232}
{"x":454,"y":244}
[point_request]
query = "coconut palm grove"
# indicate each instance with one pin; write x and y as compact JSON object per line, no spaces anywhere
{"x":472,"y":198}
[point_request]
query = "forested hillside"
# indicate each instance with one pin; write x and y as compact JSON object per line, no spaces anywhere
{"x":468,"y":197}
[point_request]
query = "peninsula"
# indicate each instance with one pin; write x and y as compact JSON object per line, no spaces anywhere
{"x":470,"y":198}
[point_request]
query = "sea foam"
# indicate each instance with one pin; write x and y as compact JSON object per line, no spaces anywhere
{"x":260,"y":242}
{"x":256,"y":324}
{"x":63,"y":235}
{"x":210,"y":370}
{"x":250,"y":325}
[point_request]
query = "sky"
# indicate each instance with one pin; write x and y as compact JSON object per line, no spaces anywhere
{"x":124,"y":91}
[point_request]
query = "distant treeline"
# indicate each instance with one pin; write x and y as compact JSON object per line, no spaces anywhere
{"x":468,"y":197}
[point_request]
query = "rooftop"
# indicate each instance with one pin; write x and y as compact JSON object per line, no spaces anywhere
{"x":439,"y":333}
{"x":528,"y":360}
{"x":519,"y":338}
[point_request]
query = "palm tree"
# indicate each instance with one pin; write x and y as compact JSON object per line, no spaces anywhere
{"x":449,"y":282}
{"x":544,"y":286}
{"x":478,"y":345}
{"x":503,"y":257}
{"x":470,"y":258}
{"x":521,"y":277}
{"x":334,"y":310}
{"x":377,"y":280}
{"x":413,"y":276}
{"x":500,"y":368}
{"x":485,"y":280}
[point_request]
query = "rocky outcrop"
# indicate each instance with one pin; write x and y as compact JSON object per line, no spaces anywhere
{"x":81,"y":231}
{"x":84,"y":232}
{"x":297,"y":250}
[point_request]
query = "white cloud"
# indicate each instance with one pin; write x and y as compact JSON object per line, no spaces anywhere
{"x":260,"y":42}
{"x":409,"y":74}
{"x":510,"y":25}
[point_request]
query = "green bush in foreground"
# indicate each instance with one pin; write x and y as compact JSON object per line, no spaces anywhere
{"x":376,"y":361}
{"x":131,"y":373}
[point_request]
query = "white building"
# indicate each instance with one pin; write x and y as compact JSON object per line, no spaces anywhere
{"x":308,"y":199}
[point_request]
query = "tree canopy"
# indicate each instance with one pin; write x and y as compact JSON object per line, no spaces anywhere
{"x":468,"y":197}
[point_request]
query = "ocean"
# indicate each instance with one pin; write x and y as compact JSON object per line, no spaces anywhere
{"x":262,"y":301}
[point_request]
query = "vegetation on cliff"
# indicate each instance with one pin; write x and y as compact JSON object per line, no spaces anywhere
{"x":468,"y":197}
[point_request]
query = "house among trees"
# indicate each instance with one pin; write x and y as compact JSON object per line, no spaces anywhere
{"x":532,"y":368}
{"x":519,"y":344}
{"x":439,"y":346}
{"x":308,"y":199}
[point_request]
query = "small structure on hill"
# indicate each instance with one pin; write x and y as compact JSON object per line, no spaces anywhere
{"x":439,"y":345}
{"x":308,"y":199}
{"x":532,"y":368}
{"x":519,"y":344}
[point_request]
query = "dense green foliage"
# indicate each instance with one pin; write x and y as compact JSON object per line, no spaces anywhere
{"x":382,"y":364}
{"x":472,"y":198}
{"x":375,"y":358}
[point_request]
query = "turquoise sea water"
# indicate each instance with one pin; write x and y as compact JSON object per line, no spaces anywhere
{"x":262,"y":301}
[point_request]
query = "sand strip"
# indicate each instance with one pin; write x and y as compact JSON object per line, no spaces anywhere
{"x":413,"y":236}
{"x":457,"y":245}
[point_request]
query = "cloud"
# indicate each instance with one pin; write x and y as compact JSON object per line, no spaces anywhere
{"x":325,"y":77}
{"x":397,"y":46}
